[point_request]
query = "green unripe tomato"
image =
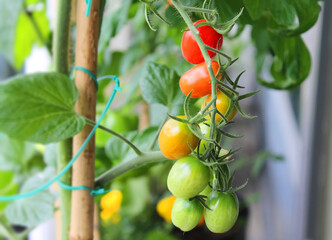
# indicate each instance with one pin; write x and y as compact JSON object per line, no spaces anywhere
{"x":224,"y":211}
{"x":188,"y":177}
{"x":186,"y":214}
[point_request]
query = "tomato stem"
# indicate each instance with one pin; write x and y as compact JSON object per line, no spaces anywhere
{"x":130,"y":144}
{"x":155,"y":139}
{"x":200,"y":10}
{"x":123,"y":167}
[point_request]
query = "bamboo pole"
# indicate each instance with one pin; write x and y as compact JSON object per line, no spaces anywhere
{"x":82,"y":212}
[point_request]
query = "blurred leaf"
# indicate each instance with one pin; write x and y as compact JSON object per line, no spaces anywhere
{"x":160,"y":235}
{"x":26,"y":36}
{"x":116,"y":149}
{"x":283,"y":17}
{"x":14,"y":153}
{"x":38,"y":179}
{"x":136,"y":194}
{"x":260,"y":37}
{"x":159,"y":84}
{"x":36,"y":209}
{"x":9,"y":12}
{"x":7,"y":187}
{"x":44,"y":116}
{"x":260,"y":159}
{"x":113,"y":23}
{"x":31,"y":211}
{"x":50,"y":155}
{"x":281,"y":12}
{"x":291,"y":62}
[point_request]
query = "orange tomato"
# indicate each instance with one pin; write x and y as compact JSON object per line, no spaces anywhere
{"x":164,"y":207}
{"x":174,"y":138}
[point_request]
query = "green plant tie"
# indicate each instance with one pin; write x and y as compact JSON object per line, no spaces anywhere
{"x":94,"y":192}
{"x":86,"y":71}
{"x":87,"y":11}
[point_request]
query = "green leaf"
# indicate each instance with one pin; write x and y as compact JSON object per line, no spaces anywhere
{"x":159,"y":84}
{"x":307,"y":14}
{"x":26,"y":35}
{"x":284,"y":17}
{"x":9,"y":12}
{"x":39,"y":108}
{"x":116,"y":149}
{"x":31,"y":211}
{"x":36,"y":209}
{"x":291,"y":62}
{"x":39,"y":179}
{"x":281,"y":12}
{"x":14,"y":154}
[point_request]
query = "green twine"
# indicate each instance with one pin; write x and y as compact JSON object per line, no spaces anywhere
{"x":86,"y":71}
{"x":87,"y":11}
{"x":94,"y":192}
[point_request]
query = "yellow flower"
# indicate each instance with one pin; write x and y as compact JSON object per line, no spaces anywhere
{"x":164,"y":207}
{"x":110,"y":205}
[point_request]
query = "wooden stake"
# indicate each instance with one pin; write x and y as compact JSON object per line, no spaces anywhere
{"x":81,"y":225}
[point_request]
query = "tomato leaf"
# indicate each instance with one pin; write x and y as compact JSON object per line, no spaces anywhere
{"x":39,"y":108}
{"x":160,"y":84}
{"x":291,"y":62}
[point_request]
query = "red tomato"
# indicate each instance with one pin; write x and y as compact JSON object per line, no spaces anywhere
{"x":198,"y":80}
{"x":174,"y":138}
{"x":190,"y":48}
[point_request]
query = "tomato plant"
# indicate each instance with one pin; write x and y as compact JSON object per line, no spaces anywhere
{"x":189,"y":47}
{"x":175,"y":138}
{"x":186,"y":214}
{"x":40,"y":110}
{"x":224,"y":211}
{"x":198,"y":80}
{"x":188,"y":177}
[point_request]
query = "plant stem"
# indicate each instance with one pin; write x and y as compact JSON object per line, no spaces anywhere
{"x":207,"y":59}
{"x":123,"y":167}
{"x":157,"y":135}
{"x":60,"y":60}
{"x":130,"y":144}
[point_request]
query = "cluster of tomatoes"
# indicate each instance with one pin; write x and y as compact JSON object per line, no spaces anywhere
{"x":189,"y":179}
